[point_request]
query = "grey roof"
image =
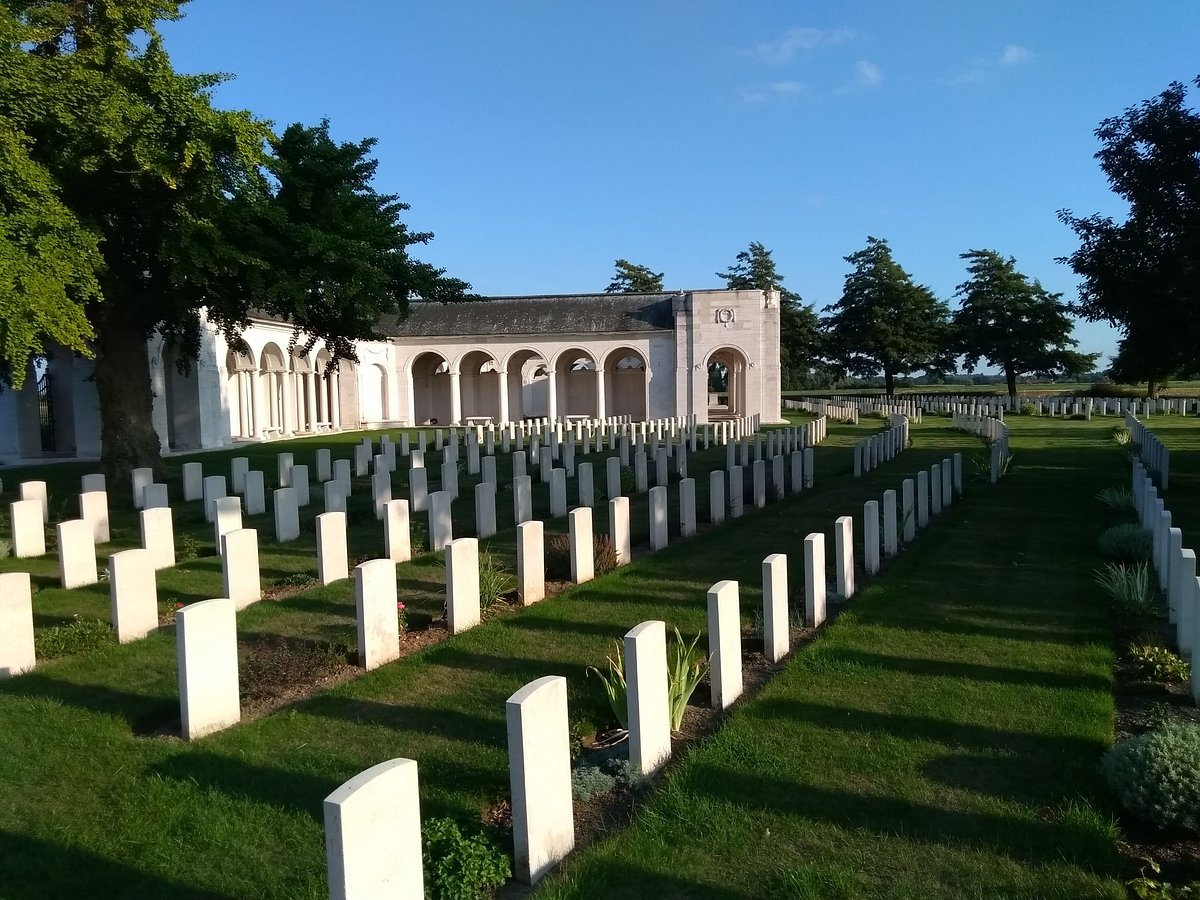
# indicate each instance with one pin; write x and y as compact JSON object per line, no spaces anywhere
{"x":565,"y":314}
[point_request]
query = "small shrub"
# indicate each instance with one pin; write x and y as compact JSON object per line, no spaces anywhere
{"x":558,"y":557}
{"x":1078,"y":417}
{"x":613,"y":683}
{"x":186,"y":548}
{"x":402,"y":616}
{"x":297,"y":579}
{"x":1027,"y":409}
{"x":1117,"y":498}
{"x":1130,"y":589}
{"x":1158,"y":663}
{"x":495,"y":580}
{"x":604,"y":554}
{"x":1122,"y":435}
{"x":5,"y":548}
{"x":79,"y":636}
{"x":1129,"y":542}
{"x":276,"y":666}
{"x":461,"y":866}
{"x":588,"y":781}
{"x":1152,"y":887}
{"x":1156,"y":776}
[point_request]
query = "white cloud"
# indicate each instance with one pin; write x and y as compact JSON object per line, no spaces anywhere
{"x":867,"y":74}
{"x":788,"y":88}
{"x":1014,"y":56}
{"x":777,"y":90}
{"x":801,"y":40}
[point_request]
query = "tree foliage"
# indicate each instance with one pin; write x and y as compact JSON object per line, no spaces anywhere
{"x":144,"y":204}
{"x":885,"y":322}
{"x":801,"y":348}
{"x":631,"y":278}
{"x":1140,"y":275}
{"x":1013,"y":323}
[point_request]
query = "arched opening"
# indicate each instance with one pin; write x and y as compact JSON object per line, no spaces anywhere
{"x":373,"y":393}
{"x":240,"y":372}
{"x":479,"y":382}
{"x":431,"y":389}
{"x":303,"y":392}
{"x":726,"y":384}
{"x":576,"y":374}
{"x":528,"y":386}
{"x":625,"y":384}
{"x":272,"y":370}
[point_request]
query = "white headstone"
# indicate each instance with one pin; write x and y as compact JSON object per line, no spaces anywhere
{"x":132,"y":592}
{"x":93,"y":482}
{"x":206,"y":644}
{"x":649,"y":711}
{"x":658,"y":517}
{"x":462,"y":584}
{"x":776,"y":624}
{"x":283,"y":462}
{"x":36,"y":490}
{"x":890,"y":532}
{"x":441,"y":524}
{"x":539,"y":762}
{"x":140,"y":478}
{"x":587,"y":492}
{"x":522,"y":499}
{"x":843,"y":554}
{"x":687,"y":507}
{"x":16,"y":624}
{"x":618,"y":529}
{"x":716,"y":496}
{"x":908,"y":512}
{"x":214,"y":488}
{"x":76,"y":553}
{"x":397,"y":534}
{"x":155,"y":496}
{"x":93,"y":507}
{"x":871,"y":537}
{"x":300,"y":485}
{"x":558,"y":493}
{"x":375,"y":606}
{"x":381,"y":492}
{"x":612,"y":471}
{"x":814,"y":579}
{"x":158,"y":536}
{"x":255,"y":494}
{"x":238,"y":467}
{"x":324,"y":465}
{"x":193,"y":481}
{"x":373,"y":835}
{"x":485,"y":509}
{"x":287,"y":516}
{"x":333,"y":559}
{"x":531,"y":562}
{"x":239,"y":566}
{"x":579,"y":528}
{"x":724,"y":644}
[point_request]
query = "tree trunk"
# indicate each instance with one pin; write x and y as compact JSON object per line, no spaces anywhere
{"x":889,"y":383}
{"x":127,"y":436}
{"x":1011,"y":377}
{"x":1152,"y":387}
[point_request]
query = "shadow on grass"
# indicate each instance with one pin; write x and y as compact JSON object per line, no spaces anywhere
{"x":1017,"y":837}
{"x":144,"y":714}
{"x":444,"y":723}
{"x":36,"y":869}
{"x":1032,"y":746}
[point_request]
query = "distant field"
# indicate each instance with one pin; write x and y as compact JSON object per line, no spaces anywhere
{"x":1177,"y":389}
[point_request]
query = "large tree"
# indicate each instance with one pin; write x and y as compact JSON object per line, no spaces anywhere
{"x":1014,"y":323}
{"x":801,"y":345}
{"x":630,"y":278}
{"x":1142,"y":275}
{"x":174,"y":207}
{"x":885,"y":322}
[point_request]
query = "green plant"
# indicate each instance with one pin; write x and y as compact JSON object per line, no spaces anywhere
{"x":558,"y":557}
{"x":461,"y":866}
{"x":402,"y":616}
{"x":1130,"y":589}
{"x":1027,"y":409}
{"x":1151,"y":887}
{"x":588,"y":781}
{"x":186,"y":548}
{"x":78,"y":636}
{"x":1156,"y":776}
{"x":297,"y":579}
{"x":1122,"y":435}
{"x":495,"y":580}
{"x":1128,"y":542}
{"x":1158,"y":663}
{"x":1117,"y":498}
{"x":5,"y":548}
{"x":276,"y":666}
{"x":613,"y":683}
{"x":686,"y":668}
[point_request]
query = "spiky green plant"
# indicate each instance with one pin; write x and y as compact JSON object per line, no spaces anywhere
{"x":686,"y":668}
{"x":1129,"y":588}
{"x":1119,"y":498}
{"x":613,"y":683}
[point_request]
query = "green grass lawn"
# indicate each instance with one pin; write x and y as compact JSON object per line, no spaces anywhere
{"x":939,"y":738}
{"x":1175,"y":389}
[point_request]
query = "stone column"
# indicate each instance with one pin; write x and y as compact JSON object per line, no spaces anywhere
{"x":260,"y":412}
{"x":552,"y":396}
{"x":503,"y":380}
{"x":335,"y":401}
{"x":455,"y":397}
{"x":600,"y":394}
{"x":312,"y":402}
{"x":245,"y":405}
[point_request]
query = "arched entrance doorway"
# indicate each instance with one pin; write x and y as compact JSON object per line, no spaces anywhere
{"x":576,"y":376}
{"x":625,"y":383}
{"x":479,"y":382}
{"x":430,"y":373}
{"x":727,"y":369}
{"x":240,"y":372}
{"x":528,"y":385}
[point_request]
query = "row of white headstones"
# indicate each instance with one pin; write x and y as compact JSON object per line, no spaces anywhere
{"x":131,"y":573}
{"x":1153,"y":452}
{"x":372,"y":822}
{"x":994,"y":432}
{"x":1174,"y":566}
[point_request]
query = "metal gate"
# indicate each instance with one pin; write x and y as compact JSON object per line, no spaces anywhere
{"x":46,"y":413}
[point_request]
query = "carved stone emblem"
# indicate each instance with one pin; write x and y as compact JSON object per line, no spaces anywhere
{"x":725,"y":315}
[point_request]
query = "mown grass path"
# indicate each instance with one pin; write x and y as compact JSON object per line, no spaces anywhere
{"x":940,"y":739}
{"x":100,"y":800}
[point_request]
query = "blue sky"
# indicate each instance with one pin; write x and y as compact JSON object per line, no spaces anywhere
{"x":540,"y":141}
